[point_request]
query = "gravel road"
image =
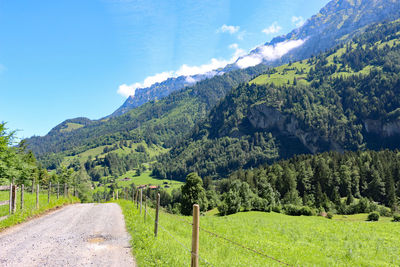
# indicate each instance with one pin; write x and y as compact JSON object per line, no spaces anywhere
{"x":77,"y":235}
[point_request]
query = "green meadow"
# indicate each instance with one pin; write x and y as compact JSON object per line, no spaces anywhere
{"x":297,"y":241}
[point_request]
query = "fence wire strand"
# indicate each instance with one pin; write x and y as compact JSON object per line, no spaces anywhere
{"x":237,"y":244}
{"x":172,"y":236}
{"x":245,"y":247}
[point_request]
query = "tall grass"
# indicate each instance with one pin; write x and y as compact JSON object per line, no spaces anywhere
{"x":29,"y":209}
{"x":298,"y":241}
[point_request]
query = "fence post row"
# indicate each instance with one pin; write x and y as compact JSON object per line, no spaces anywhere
{"x":195,"y":236}
{"x":37,"y":196}
{"x":156,"y":218}
{"x":22,"y":196}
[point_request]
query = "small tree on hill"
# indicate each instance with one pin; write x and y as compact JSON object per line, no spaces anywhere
{"x":193,"y":193}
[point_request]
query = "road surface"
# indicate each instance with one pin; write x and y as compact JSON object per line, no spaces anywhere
{"x":77,"y":235}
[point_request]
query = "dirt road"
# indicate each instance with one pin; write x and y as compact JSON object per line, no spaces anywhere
{"x":77,"y":235}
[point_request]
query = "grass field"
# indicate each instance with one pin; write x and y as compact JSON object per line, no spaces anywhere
{"x":298,"y":241}
{"x":30,"y":207}
{"x":146,"y":179}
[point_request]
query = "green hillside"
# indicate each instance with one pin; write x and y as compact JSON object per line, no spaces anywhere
{"x":344,"y":99}
{"x":161,"y":123}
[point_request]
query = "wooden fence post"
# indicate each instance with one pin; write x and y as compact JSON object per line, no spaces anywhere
{"x":48,"y":193}
{"x":58,"y":190}
{"x":14,"y":199}
{"x":156,"y":219}
{"x":195,"y":236}
{"x":10,"y":201}
{"x":65,"y":190}
{"x":37,"y":196}
{"x":145,"y":208}
{"x":141,"y":195}
{"x":133,"y":196}
{"x":22,"y":196}
{"x":137,"y":199}
{"x":117,"y":194}
{"x":33,"y":187}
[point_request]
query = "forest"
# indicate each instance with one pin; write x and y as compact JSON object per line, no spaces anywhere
{"x":338,"y":183}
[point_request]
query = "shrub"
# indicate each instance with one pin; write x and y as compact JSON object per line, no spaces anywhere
{"x":396,"y":217}
{"x":294,"y":210}
{"x":329,"y":215}
{"x":383,"y":211}
{"x":306,"y":211}
{"x":277,"y":209}
{"x":373,"y":216}
{"x":260,"y":204}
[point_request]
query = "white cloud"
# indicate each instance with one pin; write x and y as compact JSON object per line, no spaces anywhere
{"x":268,"y":53}
{"x":229,"y":28}
{"x":298,"y":21}
{"x":185,"y":70}
{"x":238,"y":52}
{"x":127,"y":90}
{"x":274,"y":28}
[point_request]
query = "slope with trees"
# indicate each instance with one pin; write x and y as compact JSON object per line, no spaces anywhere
{"x":344,"y":99}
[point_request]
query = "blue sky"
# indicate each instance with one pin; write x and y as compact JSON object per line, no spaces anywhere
{"x":70,"y":58}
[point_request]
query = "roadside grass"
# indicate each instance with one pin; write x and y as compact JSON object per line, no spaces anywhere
{"x":30,"y":210}
{"x":298,"y":241}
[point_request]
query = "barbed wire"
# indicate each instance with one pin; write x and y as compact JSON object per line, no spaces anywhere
{"x":189,"y":250}
{"x":236,"y":243}
{"x":245,"y":247}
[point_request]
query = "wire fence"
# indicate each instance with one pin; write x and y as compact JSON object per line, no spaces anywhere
{"x":17,"y":201}
{"x":218,"y":236}
{"x":179,"y":242}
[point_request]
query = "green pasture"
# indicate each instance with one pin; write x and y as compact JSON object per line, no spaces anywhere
{"x":298,"y":241}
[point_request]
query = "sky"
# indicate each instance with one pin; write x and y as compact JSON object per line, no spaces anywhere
{"x":73,"y":58}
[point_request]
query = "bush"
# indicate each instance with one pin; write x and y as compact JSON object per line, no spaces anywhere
{"x":294,"y":210}
{"x":396,"y":217}
{"x":329,"y":215}
{"x":373,"y":216}
{"x":277,"y":209}
{"x":383,"y":211}
{"x":260,"y":204}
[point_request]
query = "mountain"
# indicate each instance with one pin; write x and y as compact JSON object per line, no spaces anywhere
{"x":161,"y":123}
{"x":336,"y":23}
{"x":160,"y":90}
{"x":165,"y":122}
{"x":345,"y":99}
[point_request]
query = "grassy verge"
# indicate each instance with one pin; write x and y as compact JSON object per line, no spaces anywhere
{"x":30,"y":210}
{"x":298,"y":241}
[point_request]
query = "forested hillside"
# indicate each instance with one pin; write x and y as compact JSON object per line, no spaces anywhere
{"x":161,"y":123}
{"x":345,"y":99}
{"x":322,"y":181}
